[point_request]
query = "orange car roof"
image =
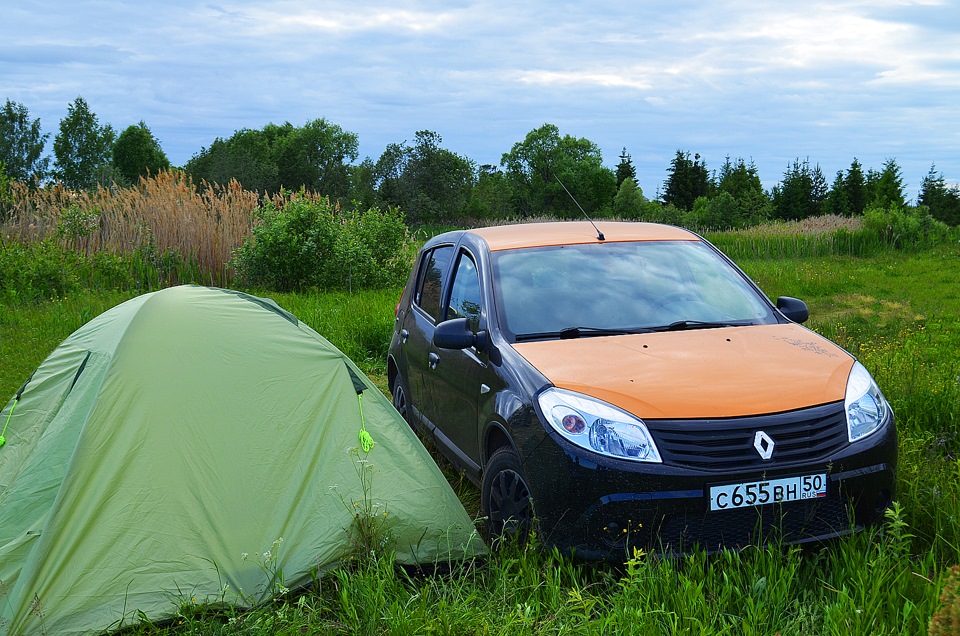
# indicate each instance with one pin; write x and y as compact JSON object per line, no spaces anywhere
{"x":508,"y":237}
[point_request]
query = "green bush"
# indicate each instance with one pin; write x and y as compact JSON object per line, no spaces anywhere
{"x":904,"y":226}
{"x":656,"y":212}
{"x":46,"y":270}
{"x":315,"y":244}
{"x":37,"y":271}
{"x":6,"y":197}
{"x":721,"y":212}
{"x":383,"y":246}
{"x":106,"y":270}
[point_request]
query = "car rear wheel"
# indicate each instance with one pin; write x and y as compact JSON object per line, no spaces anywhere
{"x":505,"y":497}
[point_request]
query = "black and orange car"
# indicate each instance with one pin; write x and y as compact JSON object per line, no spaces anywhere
{"x":626,"y":384}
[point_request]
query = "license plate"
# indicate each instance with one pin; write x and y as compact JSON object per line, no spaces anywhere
{"x":759,"y":493}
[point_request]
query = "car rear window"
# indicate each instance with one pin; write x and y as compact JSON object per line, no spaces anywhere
{"x":430,"y":280}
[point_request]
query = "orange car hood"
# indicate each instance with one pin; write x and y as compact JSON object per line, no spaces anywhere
{"x":706,"y":373}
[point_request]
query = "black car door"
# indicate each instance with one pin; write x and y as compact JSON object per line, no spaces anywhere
{"x":459,"y":373}
{"x":418,"y":327}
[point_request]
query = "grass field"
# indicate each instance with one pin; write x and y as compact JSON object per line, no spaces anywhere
{"x":899,"y":312}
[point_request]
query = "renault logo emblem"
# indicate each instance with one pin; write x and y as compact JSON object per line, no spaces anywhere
{"x":763,"y":444}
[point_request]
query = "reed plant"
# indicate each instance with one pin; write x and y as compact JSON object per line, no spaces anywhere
{"x":188,"y":232}
{"x":166,"y":213}
{"x":831,"y":235}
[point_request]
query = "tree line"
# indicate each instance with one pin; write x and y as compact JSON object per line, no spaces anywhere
{"x":433,"y":185}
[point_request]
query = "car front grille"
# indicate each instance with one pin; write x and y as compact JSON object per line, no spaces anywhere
{"x":729,"y":444}
{"x":789,"y":523}
{"x":677,"y":532}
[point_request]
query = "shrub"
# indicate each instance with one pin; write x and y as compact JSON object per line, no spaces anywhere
{"x":656,"y":212}
{"x":6,"y":198}
{"x":76,"y":225}
{"x":46,"y":270}
{"x":904,"y":226}
{"x":164,"y":213}
{"x":106,"y":270}
{"x":286,"y":244}
{"x":37,"y":271}
{"x":304,"y":244}
{"x":383,"y":246}
{"x":717,"y":213}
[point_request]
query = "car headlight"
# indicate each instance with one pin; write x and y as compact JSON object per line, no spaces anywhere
{"x":865,"y":406}
{"x":598,"y":426}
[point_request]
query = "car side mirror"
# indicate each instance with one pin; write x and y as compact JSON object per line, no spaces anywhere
{"x":793,"y":308}
{"x":456,"y":334}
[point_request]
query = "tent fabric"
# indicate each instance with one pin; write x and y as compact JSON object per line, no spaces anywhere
{"x":189,"y":444}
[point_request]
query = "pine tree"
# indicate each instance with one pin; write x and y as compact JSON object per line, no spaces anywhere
{"x":801,"y":193}
{"x":625,"y":169}
{"x":836,"y":202}
{"x":888,"y":189}
{"x":688,"y":180}
{"x":854,"y":186}
{"x":942,"y":201}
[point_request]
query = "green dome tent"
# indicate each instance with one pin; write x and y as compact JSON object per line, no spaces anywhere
{"x":177,"y":434}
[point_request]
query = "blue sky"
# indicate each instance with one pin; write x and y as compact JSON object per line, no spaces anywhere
{"x":766,"y":81}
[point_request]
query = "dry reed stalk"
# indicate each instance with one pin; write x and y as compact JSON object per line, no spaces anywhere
{"x":164,"y":212}
{"x":813,"y":226}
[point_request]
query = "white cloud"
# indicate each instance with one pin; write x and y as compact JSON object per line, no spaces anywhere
{"x":608,"y":78}
{"x":356,"y":19}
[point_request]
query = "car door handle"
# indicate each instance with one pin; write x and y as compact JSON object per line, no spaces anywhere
{"x":433,"y":360}
{"x":404,"y":334}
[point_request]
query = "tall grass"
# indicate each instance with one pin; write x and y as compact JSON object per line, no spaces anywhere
{"x":165,"y":213}
{"x":828,"y":236}
{"x":165,"y":219}
{"x":821,"y":236}
{"x":865,"y":585}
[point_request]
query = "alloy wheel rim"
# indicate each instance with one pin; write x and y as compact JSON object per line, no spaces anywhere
{"x":510,"y":502}
{"x":400,"y":401}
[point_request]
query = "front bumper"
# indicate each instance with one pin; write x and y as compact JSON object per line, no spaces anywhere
{"x":596,"y":507}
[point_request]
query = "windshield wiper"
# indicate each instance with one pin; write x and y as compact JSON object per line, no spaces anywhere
{"x":683,"y":325}
{"x":580,"y":332}
{"x":570,"y":333}
{"x":577,"y":332}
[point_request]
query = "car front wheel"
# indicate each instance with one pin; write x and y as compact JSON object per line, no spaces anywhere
{"x":505,"y":497}
{"x":401,"y":401}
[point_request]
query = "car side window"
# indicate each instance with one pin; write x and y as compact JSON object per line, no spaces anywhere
{"x":430,"y":283}
{"x":465,"y":295}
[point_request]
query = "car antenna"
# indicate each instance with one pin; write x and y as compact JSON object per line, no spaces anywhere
{"x":587,"y":216}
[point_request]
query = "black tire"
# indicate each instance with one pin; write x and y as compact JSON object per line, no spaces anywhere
{"x":505,"y":497}
{"x":401,"y":401}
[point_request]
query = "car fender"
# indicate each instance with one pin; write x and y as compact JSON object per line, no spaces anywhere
{"x":514,"y":423}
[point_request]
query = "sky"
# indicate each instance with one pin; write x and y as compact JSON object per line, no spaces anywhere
{"x":768,"y":81}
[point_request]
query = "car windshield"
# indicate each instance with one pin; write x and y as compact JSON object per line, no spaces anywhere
{"x":568,"y":291}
